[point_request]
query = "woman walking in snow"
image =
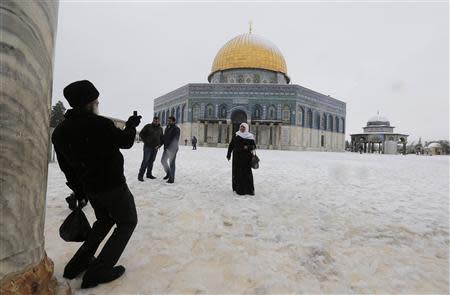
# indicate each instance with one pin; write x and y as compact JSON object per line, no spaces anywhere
{"x":242,"y":146}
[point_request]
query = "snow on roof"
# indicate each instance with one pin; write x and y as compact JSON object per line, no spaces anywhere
{"x":378,"y":119}
{"x":434,"y":145}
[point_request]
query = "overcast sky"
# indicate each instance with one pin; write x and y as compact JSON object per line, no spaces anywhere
{"x":391,"y":57}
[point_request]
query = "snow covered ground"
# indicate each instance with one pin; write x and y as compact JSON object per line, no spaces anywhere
{"x":319,"y":222}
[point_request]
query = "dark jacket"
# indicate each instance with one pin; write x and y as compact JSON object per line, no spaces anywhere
{"x":194,"y":140}
{"x":151,"y":135}
{"x":171,"y":137}
{"x":87,"y":147}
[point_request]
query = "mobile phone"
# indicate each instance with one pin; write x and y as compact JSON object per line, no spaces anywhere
{"x":134,"y":113}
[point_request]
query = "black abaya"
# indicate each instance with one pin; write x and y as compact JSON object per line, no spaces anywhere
{"x":242,"y":177}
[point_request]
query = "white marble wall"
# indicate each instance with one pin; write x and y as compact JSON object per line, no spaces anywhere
{"x":28,"y":33}
{"x":287,"y":137}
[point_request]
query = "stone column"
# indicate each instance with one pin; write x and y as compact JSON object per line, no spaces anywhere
{"x":279,"y":137}
{"x":256,"y":132}
{"x":219,"y":139}
{"x":28,"y":32}
{"x":271,"y":141}
{"x":205,"y":133}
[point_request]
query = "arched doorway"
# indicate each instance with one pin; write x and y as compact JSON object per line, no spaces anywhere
{"x":238,"y":117}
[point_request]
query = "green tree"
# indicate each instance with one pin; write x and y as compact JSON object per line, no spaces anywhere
{"x":57,"y":115}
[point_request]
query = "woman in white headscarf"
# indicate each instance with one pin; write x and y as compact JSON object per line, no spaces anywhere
{"x":242,"y":145}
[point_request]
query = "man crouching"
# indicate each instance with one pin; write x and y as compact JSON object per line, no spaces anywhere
{"x":87,"y":147}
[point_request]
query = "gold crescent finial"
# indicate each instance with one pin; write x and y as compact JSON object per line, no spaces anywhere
{"x":250,"y":27}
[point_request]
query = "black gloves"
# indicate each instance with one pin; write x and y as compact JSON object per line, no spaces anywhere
{"x":133,"y":121}
{"x":74,"y":198}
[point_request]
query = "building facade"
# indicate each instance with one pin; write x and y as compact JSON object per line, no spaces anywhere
{"x":378,"y":137}
{"x":434,"y":148}
{"x":249,"y":83}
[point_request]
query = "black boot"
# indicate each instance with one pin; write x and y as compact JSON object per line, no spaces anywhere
{"x":100,"y":275}
{"x":170,"y":181}
{"x":77,"y":265}
{"x":166,"y":177}
{"x":140,"y":178}
{"x":151,"y":176}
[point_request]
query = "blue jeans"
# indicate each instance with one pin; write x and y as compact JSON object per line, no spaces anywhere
{"x":170,"y":156}
{"x":147,"y":162}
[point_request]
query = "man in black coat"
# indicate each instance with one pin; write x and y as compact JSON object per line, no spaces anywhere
{"x":170,"y":140}
{"x":87,"y":147}
{"x":194,"y":143}
{"x":151,"y":135}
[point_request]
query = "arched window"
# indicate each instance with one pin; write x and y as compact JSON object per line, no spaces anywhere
{"x":195,"y":112}
{"x":223,"y":111}
{"x":257,"y":112}
{"x":172,"y":112}
{"x":183,"y":109}
{"x":286,"y":114}
{"x":317,"y":120}
{"x":256,"y":78}
{"x":209,"y":111}
{"x":178,"y":114}
{"x":324,"y":122}
{"x":341,"y":125}
{"x":336,"y":127}
{"x":272,"y":113}
{"x":309,"y":119}
{"x":163,"y":118}
{"x":301,"y":116}
{"x":330,"y":121}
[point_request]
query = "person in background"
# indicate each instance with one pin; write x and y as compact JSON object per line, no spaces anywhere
{"x":170,"y":140}
{"x":185,"y":141}
{"x":88,"y":150}
{"x":151,"y":135}
{"x":241,"y":146}
{"x":194,"y":143}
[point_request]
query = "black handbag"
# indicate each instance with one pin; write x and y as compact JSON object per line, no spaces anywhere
{"x":76,"y":227}
{"x":255,"y":161}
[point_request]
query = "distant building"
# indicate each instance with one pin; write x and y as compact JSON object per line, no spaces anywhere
{"x":434,"y":148}
{"x":378,"y":137}
{"x":249,"y":83}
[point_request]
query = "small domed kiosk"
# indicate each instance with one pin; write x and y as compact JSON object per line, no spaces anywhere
{"x":378,"y":137}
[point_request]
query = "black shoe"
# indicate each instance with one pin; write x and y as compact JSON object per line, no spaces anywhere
{"x":98,"y":275}
{"x":151,"y":176}
{"x":76,"y":266}
{"x":166,"y":177}
{"x":170,"y":181}
{"x":140,"y":178}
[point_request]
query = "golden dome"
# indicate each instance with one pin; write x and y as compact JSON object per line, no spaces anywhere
{"x":249,"y":51}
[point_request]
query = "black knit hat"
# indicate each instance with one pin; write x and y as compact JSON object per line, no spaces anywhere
{"x":80,"y":93}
